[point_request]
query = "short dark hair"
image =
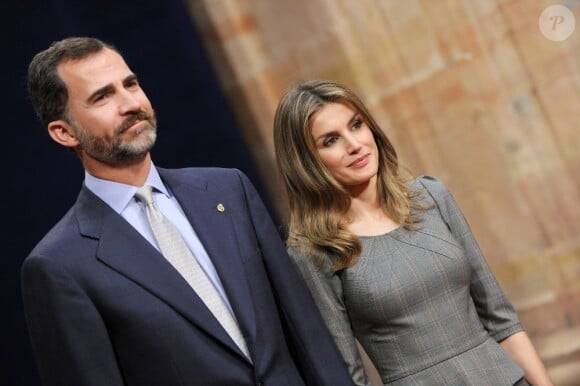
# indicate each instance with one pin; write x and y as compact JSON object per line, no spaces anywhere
{"x":46,"y":89}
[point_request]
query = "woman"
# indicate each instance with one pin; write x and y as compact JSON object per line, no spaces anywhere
{"x":389,"y":262}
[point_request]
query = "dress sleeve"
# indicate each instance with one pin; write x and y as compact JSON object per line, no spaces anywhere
{"x":495,"y":311}
{"x":326,"y":288}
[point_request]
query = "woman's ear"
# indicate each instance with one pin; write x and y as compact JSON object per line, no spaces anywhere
{"x":63,"y":133}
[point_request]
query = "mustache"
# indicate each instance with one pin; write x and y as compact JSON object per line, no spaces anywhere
{"x":130,"y":121}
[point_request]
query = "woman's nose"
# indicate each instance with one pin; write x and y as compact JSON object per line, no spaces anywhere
{"x":353,"y":145}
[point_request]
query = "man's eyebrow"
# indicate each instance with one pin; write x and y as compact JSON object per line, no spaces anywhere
{"x":109,"y":87}
{"x":130,"y":78}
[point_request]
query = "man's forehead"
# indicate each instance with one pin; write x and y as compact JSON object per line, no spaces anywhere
{"x":102,"y":61}
{"x":104,"y":65}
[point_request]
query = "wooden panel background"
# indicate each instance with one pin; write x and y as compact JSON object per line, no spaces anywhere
{"x":469,"y":91}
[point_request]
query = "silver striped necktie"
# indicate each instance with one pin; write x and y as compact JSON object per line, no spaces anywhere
{"x":176,"y":251}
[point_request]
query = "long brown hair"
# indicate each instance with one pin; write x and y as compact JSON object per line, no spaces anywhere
{"x":317,"y":202}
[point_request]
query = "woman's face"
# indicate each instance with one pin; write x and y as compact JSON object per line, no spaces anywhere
{"x":345,"y":144}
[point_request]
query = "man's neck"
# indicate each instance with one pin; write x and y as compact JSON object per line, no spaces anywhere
{"x":134,"y":173}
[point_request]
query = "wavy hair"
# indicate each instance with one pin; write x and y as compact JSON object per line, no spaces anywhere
{"x":317,"y":201}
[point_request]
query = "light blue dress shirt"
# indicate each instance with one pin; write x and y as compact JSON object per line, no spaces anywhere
{"x":121,"y":198}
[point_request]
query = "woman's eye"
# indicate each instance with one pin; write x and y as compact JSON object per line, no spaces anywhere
{"x":330,"y":140}
{"x":357,"y":124}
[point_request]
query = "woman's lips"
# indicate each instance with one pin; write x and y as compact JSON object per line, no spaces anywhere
{"x":360,"y":162}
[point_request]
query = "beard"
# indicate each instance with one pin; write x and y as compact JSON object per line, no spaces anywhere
{"x":117,"y":150}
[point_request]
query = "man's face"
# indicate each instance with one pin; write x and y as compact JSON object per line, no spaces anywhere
{"x":110,"y":114}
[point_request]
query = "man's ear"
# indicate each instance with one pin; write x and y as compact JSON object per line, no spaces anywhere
{"x":63,"y":133}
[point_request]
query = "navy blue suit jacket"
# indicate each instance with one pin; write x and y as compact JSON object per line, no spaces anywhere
{"x":103,"y":307}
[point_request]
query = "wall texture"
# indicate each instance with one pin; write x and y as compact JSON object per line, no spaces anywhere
{"x":469,"y":91}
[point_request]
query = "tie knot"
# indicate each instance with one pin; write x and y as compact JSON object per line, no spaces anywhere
{"x":144,"y":195}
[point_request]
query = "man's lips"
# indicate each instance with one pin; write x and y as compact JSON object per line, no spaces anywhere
{"x":133,"y":121}
{"x":360,"y":161}
{"x":134,"y":125}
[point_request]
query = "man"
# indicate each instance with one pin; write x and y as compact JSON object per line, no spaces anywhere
{"x":106,"y":301}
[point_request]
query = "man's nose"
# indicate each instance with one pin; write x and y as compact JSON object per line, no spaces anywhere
{"x":128,"y":102}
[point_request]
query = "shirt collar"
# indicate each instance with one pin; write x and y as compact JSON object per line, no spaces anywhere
{"x":117,"y":195}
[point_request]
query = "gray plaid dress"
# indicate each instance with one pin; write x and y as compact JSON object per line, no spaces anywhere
{"x":424,"y":304}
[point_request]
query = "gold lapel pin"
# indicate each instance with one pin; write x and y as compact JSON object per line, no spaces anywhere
{"x":221,"y":208}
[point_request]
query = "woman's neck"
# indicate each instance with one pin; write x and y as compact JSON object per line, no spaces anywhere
{"x":366,"y":217}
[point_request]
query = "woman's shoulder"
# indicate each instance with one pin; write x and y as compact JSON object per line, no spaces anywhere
{"x":431,"y":191}
{"x":432,"y":185}
{"x":300,"y":249}
{"x":297,"y":248}
{"x":428,"y":182}
{"x":305,"y":255}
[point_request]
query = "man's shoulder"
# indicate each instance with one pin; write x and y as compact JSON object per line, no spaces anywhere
{"x":201,"y":172}
{"x":61,"y":236}
{"x":211,"y":178}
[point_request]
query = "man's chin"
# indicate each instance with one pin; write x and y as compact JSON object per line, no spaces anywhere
{"x":141,"y":145}
{"x":135,"y":153}
{"x":123,"y":152}
{"x":123,"y":159}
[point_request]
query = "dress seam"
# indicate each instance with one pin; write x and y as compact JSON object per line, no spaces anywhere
{"x":442,"y":361}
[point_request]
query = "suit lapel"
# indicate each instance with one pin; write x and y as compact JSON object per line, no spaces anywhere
{"x":123,"y":249}
{"x":216,"y":230}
